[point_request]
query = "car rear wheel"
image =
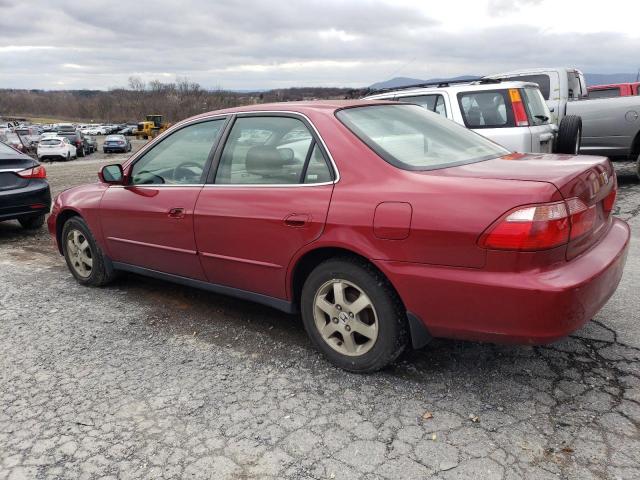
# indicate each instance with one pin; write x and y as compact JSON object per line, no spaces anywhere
{"x":31,"y":222}
{"x":353,"y":315}
{"x":81,"y":152}
{"x":569,"y":135}
{"x":83,"y":256}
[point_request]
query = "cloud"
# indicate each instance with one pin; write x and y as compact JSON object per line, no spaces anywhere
{"x":277,"y":43}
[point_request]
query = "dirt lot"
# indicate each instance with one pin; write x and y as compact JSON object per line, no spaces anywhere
{"x":146,"y":379}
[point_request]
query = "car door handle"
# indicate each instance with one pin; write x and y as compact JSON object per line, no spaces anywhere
{"x":177,"y":212}
{"x":296,"y":220}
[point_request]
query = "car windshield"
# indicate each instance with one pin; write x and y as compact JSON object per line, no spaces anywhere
{"x":412,"y":138}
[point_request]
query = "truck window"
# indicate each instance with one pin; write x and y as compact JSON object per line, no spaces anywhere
{"x":486,"y":109}
{"x":575,"y":86}
{"x":542,"y":80}
{"x":605,"y":93}
{"x":434,"y":102}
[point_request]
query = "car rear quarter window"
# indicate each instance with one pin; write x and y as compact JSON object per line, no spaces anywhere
{"x":432,"y":102}
{"x":271,"y":150}
{"x":605,"y":93}
{"x":486,"y":109}
{"x":411,"y":138}
{"x":537,"y":109}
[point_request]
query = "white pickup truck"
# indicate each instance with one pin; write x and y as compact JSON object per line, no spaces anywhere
{"x":610,"y":126}
{"x":512,"y":114}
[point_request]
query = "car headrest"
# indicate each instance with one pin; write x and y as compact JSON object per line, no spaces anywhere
{"x":264,"y":160}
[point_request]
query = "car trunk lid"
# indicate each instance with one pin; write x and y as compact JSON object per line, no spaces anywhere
{"x":590,"y":179}
{"x":9,"y":166}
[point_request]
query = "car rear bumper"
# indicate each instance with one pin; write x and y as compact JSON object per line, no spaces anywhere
{"x":529,"y":307}
{"x":114,"y":149}
{"x":34,"y":199}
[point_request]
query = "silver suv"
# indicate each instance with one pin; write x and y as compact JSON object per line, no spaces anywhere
{"x":512,"y":114}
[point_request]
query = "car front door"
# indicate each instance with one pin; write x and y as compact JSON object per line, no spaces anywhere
{"x":267,"y":198}
{"x":148,"y":222}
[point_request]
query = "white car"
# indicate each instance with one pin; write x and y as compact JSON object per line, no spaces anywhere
{"x":56,"y":148}
{"x":512,"y":114}
{"x":101,"y":130}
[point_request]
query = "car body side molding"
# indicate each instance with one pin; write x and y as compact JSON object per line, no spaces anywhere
{"x":277,"y":303}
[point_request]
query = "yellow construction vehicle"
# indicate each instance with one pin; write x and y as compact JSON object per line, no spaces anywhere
{"x":151,"y":127}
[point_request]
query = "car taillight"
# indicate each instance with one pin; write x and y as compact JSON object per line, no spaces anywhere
{"x":582,"y":218}
{"x":536,"y":227}
{"x":35,"y":172}
{"x":608,"y":202}
{"x":540,"y":227}
{"x":519,"y":112}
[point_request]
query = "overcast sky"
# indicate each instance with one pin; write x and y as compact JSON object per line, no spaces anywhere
{"x":62,"y":44}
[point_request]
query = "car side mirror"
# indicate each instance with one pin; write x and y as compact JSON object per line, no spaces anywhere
{"x":112,"y":174}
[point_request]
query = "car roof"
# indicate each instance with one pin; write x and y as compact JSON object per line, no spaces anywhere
{"x":296,"y":107}
{"x":454,"y":88}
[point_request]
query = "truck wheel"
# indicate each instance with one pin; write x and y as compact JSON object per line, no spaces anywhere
{"x":569,"y":135}
{"x":30,"y":222}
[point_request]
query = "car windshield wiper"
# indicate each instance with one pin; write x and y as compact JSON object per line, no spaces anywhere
{"x":544,"y":118}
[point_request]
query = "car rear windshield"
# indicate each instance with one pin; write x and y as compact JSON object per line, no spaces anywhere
{"x":536,"y":106}
{"x":412,"y":138}
{"x":486,"y":109}
{"x":50,"y":141}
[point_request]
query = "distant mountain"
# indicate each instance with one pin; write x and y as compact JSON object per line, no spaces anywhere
{"x":591,"y":78}
{"x":398,"y":82}
{"x":605,"y":78}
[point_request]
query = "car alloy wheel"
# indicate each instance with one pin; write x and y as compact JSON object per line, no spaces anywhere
{"x":79,"y":252}
{"x":345,"y":317}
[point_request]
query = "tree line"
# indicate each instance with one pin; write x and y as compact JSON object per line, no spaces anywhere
{"x":175,"y":100}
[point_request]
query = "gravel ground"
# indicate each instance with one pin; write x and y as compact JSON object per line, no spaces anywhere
{"x":145,"y":379}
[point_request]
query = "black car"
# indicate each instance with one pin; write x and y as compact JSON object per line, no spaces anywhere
{"x":116,"y":143}
{"x":76,"y":139}
{"x":24,"y":190}
{"x":90,"y":144}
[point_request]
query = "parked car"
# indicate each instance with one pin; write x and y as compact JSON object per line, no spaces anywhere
{"x":25,"y":194}
{"x":57,"y":148}
{"x":128,"y":130}
{"x":90,"y":144}
{"x":382,"y":223}
{"x":65,"y":127}
{"x":512,"y":114}
{"x":99,"y":130}
{"x":14,"y":140}
{"x":614,"y":90}
{"x":76,"y":139}
{"x":609,"y":126}
{"x":115,"y":144}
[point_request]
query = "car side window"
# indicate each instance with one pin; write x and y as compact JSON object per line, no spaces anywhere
{"x":179,"y":158}
{"x":485,"y":109}
{"x":269,"y":150}
{"x":317,"y":169}
{"x":433,"y":102}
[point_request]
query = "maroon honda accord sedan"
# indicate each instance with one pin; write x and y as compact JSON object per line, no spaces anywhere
{"x":383,"y":224}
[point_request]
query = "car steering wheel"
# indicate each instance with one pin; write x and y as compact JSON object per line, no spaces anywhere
{"x":182,"y":172}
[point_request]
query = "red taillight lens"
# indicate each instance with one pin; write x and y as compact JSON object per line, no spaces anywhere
{"x":583,"y":218}
{"x":519,"y":112}
{"x":536,"y":227}
{"x":35,"y":172}
{"x":609,"y":202}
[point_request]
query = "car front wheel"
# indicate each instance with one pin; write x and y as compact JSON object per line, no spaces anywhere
{"x":353,"y":315}
{"x":83,"y":255}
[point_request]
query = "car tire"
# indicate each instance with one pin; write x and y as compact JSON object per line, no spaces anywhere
{"x":31,"y":222}
{"x":569,"y":135}
{"x":84,"y":258}
{"x":80,"y":152}
{"x":330,"y":324}
{"x":68,"y":157}
{"x":638,"y":167}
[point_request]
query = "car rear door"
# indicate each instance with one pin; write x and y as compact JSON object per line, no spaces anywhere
{"x":267,"y":198}
{"x":540,"y":128}
{"x":149,"y":221}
